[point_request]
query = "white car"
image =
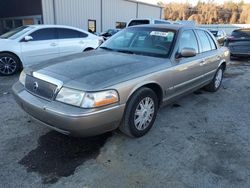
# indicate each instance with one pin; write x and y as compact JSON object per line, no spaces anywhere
{"x":28,"y":45}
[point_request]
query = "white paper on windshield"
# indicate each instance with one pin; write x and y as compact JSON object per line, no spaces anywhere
{"x":159,"y":33}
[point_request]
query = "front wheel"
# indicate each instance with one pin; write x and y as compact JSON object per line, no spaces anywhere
{"x":9,"y":64}
{"x":215,"y":84}
{"x":140,"y":113}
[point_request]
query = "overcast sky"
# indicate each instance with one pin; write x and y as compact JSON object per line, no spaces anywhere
{"x":194,"y":2}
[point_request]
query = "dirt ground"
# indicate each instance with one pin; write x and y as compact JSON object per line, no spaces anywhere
{"x":200,"y":141}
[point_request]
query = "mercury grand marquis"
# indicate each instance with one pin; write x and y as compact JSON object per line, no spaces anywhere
{"x":122,"y":84}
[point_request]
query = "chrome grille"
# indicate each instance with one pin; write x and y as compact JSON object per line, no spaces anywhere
{"x":40,"y":88}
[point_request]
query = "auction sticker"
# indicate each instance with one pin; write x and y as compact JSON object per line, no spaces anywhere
{"x":159,"y":33}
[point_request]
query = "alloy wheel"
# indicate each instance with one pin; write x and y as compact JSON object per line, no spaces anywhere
{"x":218,"y":78}
{"x":7,"y":65}
{"x":144,"y":113}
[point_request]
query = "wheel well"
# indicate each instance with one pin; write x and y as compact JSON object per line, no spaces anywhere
{"x":157,"y":89}
{"x":7,"y":52}
{"x":88,"y":49}
{"x":224,"y":66}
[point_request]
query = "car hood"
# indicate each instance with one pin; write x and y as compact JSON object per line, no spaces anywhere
{"x":99,"y":69}
{"x":4,"y":42}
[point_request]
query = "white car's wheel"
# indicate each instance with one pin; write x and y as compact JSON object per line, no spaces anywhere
{"x":9,"y":64}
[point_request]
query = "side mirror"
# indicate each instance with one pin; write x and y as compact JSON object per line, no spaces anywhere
{"x":28,"y":38}
{"x":187,"y":52}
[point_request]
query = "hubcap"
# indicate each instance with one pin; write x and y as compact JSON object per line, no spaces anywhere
{"x":144,"y":113}
{"x":218,"y":78}
{"x":7,"y":65}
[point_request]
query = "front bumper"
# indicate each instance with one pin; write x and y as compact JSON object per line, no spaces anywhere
{"x":68,"y":119}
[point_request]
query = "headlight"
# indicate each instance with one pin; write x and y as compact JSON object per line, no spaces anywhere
{"x":22,"y":78}
{"x":70,"y":96}
{"x":98,"y":99}
{"x":87,"y":99}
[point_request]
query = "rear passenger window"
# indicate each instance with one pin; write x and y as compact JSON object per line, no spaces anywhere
{"x":70,"y":34}
{"x":204,"y":41}
{"x":188,"y":40}
{"x":212,"y":43}
{"x":44,"y":34}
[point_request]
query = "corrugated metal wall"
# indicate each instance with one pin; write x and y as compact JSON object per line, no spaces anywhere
{"x":48,"y":13}
{"x":77,"y":12}
{"x":146,"y":11}
{"x":74,"y":12}
{"x":117,"y":11}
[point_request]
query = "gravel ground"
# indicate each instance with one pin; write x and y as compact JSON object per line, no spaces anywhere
{"x":200,"y":141}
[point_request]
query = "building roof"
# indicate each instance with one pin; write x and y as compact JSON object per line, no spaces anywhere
{"x":144,"y":3}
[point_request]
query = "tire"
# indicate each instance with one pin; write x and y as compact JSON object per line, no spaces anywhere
{"x":145,"y":102}
{"x":215,"y":84}
{"x":9,"y":64}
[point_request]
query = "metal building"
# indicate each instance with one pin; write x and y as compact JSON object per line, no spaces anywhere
{"x":94,"y":15}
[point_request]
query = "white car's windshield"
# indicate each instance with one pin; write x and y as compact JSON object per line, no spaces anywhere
{"x":147,"y":41}
{"x":15,"y":33}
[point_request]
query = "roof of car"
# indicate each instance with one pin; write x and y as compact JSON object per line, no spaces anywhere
{"x":167,"y":26}
{"x":49,"y":26}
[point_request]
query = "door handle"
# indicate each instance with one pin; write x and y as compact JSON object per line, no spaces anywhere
{"x":81,"y":42}
{"x":53,"y":44}
{"x":202,"y":62}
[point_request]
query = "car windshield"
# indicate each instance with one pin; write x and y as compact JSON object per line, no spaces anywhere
{"x":147,"y":41}
{"x":15,"y":33}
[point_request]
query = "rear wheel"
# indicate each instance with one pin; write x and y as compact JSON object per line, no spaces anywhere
{"x":9,"y":64}
{"x":140,"y":113}
{"x":215,"y":84}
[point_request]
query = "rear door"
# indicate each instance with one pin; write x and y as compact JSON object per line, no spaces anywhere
{"x":71,"y":41}
{"x":44,"y":46}
{"x":209,"y":52}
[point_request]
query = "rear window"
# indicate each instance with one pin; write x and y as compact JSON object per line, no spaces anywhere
{"x":161,"y":22}
{"x":138,"y":22}
{"x":65,"y":33}
{"x":241,"y":33}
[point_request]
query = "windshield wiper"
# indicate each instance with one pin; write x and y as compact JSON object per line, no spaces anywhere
{"x":106,"y":48}
{"x":126,"y":51}
{"x":117,"y":50}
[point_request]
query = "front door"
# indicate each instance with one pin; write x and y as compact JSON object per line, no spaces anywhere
{"x":187,"y":71}
{"x":42,"y":47}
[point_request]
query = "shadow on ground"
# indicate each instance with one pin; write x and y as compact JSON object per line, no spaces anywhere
{"x":58,"y":155}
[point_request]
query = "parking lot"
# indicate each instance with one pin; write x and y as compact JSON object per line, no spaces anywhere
{"x":201,"y":140}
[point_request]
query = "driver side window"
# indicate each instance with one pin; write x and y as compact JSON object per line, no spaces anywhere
{"x":188,"y":40}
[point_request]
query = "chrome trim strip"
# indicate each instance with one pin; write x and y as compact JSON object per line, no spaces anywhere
{"x":48,"y":79}
{"x":83,"y":115}
{"x":194,"y":79}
